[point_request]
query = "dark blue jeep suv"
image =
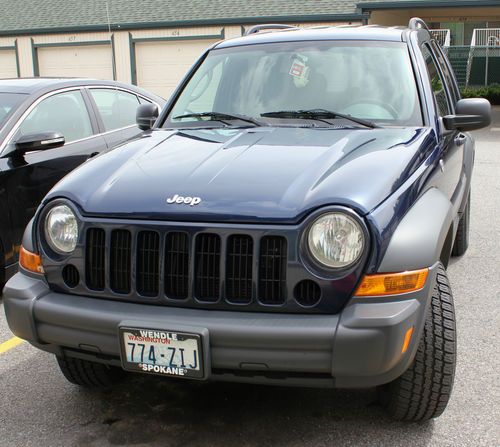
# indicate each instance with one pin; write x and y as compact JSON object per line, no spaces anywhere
{"x":288,"y":219}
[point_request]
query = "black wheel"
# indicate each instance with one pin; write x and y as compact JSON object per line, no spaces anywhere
{"x":89,"y":374}
{"x":423,"y":391}
{"x":462,"y":238}
{"x":2,"y":280}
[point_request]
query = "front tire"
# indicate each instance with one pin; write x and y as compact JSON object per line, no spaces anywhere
{"x":89,"y":374}
{"x":424,"y":390}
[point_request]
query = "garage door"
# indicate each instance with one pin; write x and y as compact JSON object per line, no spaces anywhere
{"x":161,"y":65}
{"x":8,"y":67}
{"x":87,"y":61}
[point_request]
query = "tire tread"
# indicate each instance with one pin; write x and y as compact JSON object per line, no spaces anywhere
{"x":423,"y":391}
{"x":89,"y":374}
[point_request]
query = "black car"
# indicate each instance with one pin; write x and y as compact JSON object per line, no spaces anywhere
{"x":47,"y":128}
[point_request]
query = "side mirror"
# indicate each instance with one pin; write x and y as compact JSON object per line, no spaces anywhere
{"x":39,"y":142}
{"x":146,"y":116}
{"x":470,"y":114}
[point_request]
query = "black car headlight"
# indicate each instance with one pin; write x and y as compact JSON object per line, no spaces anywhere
{"x":336,"y":240}
{"x":61,"y":229}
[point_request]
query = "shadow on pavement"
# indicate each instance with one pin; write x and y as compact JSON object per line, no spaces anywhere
{"x":156,"y":411}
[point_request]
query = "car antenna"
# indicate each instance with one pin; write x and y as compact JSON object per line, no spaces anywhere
{"x":113,"y":61}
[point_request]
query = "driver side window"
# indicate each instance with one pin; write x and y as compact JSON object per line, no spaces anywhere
{"x":437,"y":83}
{"x":64,"y":113}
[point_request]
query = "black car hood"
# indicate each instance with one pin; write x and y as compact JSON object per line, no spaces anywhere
{"x":247,"y":175}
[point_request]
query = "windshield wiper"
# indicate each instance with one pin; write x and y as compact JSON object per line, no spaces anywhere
{"x":317,"y":114}
{"x":222,"y":117}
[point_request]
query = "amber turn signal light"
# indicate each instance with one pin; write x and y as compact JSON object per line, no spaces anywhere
{"x":407,"y":339}
{"x":30,"y":261}
{"x":392,"y":283}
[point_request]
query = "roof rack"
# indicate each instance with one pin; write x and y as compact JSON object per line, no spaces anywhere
{"x":417,"y":23}
{"x":268,"y":26}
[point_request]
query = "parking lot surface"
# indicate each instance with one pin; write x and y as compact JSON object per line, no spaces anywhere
{"x":39,"y":408}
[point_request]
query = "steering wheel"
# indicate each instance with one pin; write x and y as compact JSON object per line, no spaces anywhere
{"x":201,"y":86}
{"x":383,"y":105}
{"x":206,"y":79}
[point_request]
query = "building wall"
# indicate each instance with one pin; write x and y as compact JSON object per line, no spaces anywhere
{"x":9,"y":64}
{"x":393,"y":17}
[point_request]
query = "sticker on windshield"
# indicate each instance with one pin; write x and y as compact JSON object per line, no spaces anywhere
{"x":299,"y":71}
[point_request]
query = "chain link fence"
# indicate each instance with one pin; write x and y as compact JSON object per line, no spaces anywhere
{"x":475,"y":66}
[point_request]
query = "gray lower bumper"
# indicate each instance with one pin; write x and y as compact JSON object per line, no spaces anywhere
{"x":8,"y":272}
{"x":359,"y":347}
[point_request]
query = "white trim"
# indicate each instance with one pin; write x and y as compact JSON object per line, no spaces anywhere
{"x":482,"y":37}
{"x":111,"y":87}
{"x":442,"y":36}
{"x":120,"y":128}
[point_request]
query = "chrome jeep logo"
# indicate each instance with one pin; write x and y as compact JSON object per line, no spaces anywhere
{"x":185,"y":200}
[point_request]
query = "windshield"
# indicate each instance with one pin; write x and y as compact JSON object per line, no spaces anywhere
{"x":368,"y":80}
{"x":8,"y":103}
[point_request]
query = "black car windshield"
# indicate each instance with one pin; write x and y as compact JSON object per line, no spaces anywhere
{"x":8,"y":103}
{"x":367,"y":80}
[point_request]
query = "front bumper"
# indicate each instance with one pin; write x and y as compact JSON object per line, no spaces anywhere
{"x":359,"y":347}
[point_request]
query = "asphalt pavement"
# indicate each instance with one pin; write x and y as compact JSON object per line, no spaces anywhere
{"x":39,"y":408}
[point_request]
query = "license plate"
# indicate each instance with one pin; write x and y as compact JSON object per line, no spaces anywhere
{"x":161,"y":352}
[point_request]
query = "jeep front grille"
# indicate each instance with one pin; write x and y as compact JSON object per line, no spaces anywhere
{"x":176,"y":265}
{"x":272,"y":279}
{"x":216,"y":266}
{"x":148,"y":260}
{"x":94,"y":259}
{"x":207,"y":267}
{"x":141,"y":266}
{"x":239,"y":264}
{"x":120,"y":261}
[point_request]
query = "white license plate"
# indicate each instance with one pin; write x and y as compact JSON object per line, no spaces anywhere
{"x":161,"y":352}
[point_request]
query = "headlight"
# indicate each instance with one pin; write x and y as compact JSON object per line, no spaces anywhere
{"x":61,"y":229}
{"x":336,"y":240}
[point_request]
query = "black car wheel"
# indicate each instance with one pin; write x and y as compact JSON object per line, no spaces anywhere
{"x":89,"y":374}
{"x":423,"y":391}
{"x":462,"y":238}
{"x":2,"y":270}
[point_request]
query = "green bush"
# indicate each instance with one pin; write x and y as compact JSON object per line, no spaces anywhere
{"x":490,"y":92}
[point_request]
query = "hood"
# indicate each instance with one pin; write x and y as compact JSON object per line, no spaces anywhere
{"x":246,"y":175}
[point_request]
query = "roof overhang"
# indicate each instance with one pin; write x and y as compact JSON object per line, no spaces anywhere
{"x":351,"y":17}
{"x":411,"y":4}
